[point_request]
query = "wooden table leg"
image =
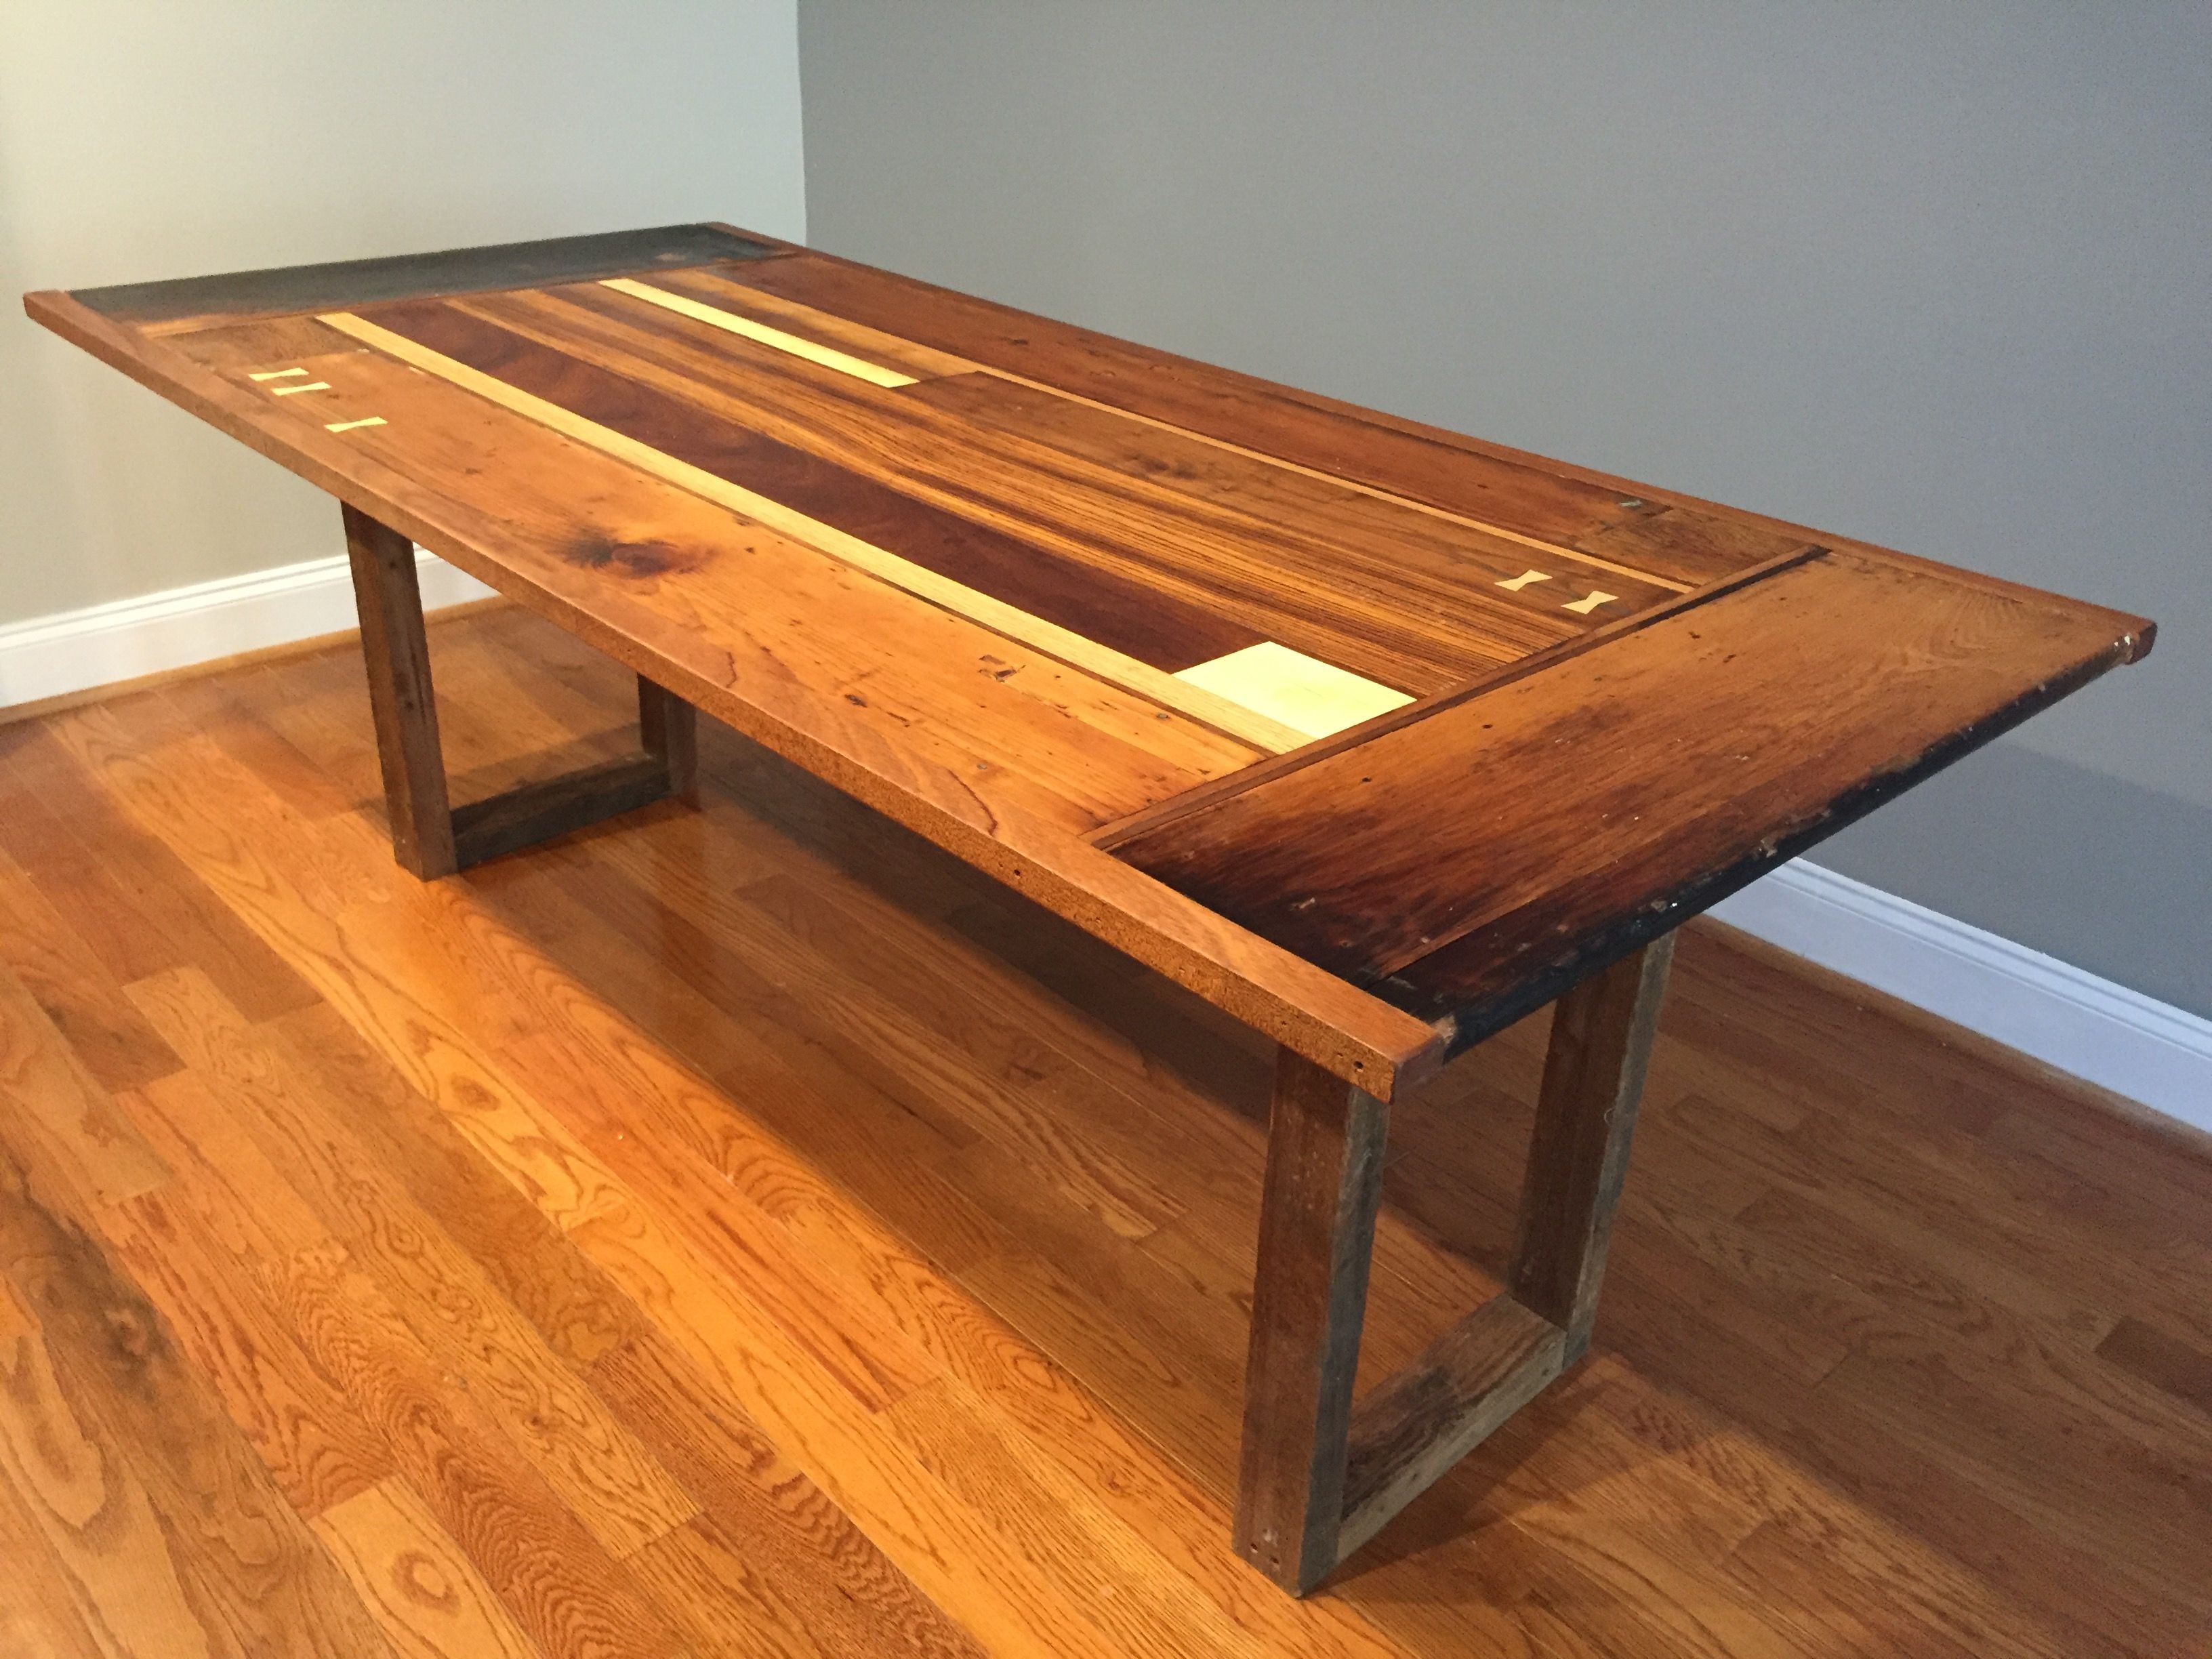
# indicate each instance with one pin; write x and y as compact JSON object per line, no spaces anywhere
{"x":397,"y":655}
{"x":1325,"y":1141}
{"x":1320,"y":1477}
{"x":1601,"y":1036}
{"x":431,"y":837}
{"x":668,"y":727}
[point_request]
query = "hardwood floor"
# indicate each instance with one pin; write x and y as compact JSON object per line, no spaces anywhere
{"x":744,"y":1230}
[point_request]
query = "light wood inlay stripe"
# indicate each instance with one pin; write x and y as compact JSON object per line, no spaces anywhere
{"x":828,"y":356}
{"x":1154,"y":684}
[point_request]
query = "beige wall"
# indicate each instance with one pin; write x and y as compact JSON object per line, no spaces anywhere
{"x":140,"y":141}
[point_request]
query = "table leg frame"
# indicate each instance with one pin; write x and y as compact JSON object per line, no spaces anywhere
{"x":1321,"y":1476}
{"x":432,"y":838}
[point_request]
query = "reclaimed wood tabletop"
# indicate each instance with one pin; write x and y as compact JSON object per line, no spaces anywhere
{"x":1376,"y":736}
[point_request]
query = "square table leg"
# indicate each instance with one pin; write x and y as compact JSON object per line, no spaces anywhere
{"x":430,"y":837}
{"x":397,"y":655}
{"x":1320,"y":1476}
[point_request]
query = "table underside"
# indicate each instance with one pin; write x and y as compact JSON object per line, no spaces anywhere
{"x":1379,"y":735}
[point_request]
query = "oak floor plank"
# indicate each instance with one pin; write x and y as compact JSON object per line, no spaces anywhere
{"x":821,"y":1572}
{"x":248,"y":1572}
{"x":414,"y":1579}
{"x":955,"y":1558}
{"x":60,"y":1124}
{"x":74,"y":988}
{"x":514,"y":1245}
{"x":550,"y":1573}
{"x":298,"y":1423}
{"x":39,"y":1616}
{"x":132,"y":902}
{"x":88,"y":1567}
{"x":556,"y":1422}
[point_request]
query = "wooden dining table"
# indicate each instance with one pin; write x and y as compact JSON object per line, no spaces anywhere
{"x":1377,"y":737}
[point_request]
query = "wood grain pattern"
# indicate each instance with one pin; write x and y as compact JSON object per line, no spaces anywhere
{"x":1096,"y":604}
{"x":414,"y":1579}
{"x":1401,"y":457}
{"x":1376,"y":587}
{"x":1364,"y":862}
{"x":2010,"y":1469}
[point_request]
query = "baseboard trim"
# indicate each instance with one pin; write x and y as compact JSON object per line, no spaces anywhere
{"x":78,"y":651}
{"x":2063,"y":1016}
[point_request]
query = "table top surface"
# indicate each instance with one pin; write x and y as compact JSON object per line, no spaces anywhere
{"x":1376,"y":735}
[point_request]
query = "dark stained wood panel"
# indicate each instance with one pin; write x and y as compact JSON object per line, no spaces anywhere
{"x":1471,"y":864}
{"x":1093,"y":602}
{"x":456,"y":271}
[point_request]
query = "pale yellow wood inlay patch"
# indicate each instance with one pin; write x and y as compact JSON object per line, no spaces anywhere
{"x":1305,"y":693}
{"x":1156,"y":685}
{"x":304,"y":386}
{"x":828,"y":356}
{"x":275,"y":373}
{"x":349,"y":426}
{"x":1515,"y":584}
{"x":1585,"y":606}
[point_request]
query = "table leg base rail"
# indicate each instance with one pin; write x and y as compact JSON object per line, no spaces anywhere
{"x":432,"y":838}
{"x":1411,"y":1431}
{"x":1320,"y":1478}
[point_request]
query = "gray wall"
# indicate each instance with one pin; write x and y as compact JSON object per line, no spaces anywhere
{"x":1936,"y":276}
{"x":139,"y":141}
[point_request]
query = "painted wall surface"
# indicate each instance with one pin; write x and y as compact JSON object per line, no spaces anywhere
{"x":1933,"y":277}
{"x":141,"y":141}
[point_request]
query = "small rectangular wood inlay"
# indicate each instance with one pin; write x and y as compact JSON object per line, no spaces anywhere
{"x":1302,"y":692}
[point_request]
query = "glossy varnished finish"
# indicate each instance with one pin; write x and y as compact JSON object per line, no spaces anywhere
{"x":854,"y":1256}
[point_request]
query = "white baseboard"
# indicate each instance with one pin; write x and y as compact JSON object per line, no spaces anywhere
{"x":78,"y":650}
{"x":2062,"y":1015}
